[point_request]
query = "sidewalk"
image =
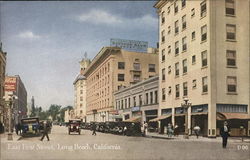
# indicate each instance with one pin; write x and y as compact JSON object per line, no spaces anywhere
{"x":194,"y":138}
{"x":4,"y":137}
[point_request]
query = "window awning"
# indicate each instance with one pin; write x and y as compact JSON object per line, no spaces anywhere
{"x":133,"y":119}
{"x":160,"y":118}
{"x":225,"y":116}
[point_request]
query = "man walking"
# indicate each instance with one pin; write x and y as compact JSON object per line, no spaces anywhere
{"x":197,"y":131}
{"x":224,"y":132}
{"x":94,"y":129}
{"x":45,"y":131}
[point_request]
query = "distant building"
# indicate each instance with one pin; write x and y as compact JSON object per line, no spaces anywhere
{"x":138,"y":102}
{"x":204,"y":57}
{"x":69,"y":114}
{"x":112,"y":69}
{"x":3,"y":108}
{"x":14,"y":84}
{"x":80,"y":91}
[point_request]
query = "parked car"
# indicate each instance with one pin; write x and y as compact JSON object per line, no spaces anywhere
{"x":30,"y":126}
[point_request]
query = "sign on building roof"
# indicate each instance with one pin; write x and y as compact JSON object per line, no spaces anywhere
{"x":130,"y":45}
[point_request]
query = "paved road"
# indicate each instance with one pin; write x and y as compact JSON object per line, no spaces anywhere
{"x":107,"y":146}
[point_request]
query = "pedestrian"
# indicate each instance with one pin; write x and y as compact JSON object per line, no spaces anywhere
{"x":176,"y":130}
{"x":45,"y":131}
{"x":197,"y":131}
{"x":125,"y":131}
{"x":16,"y":128}
{"x":1,"y":127}
{"x":224,"y":132}
{"x":170,"y":130}
{"x":145,"y":128}
{"x":19,"y":128}
{"x":94,"y":129}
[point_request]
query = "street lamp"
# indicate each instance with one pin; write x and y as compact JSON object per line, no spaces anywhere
{"x":185,"y":106}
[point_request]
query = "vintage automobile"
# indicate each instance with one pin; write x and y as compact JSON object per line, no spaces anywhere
{"x":74,"y":126}
{"x":30,"y":126}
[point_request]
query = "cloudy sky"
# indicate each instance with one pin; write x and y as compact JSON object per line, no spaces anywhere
{"x":46,"y":40}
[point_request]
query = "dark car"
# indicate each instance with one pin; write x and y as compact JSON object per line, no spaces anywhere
{"x":30,"y":126}
{"x":74,"y":126}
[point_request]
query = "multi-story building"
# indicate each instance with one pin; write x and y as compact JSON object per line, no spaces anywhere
{"x":80,"y":91}
{"x":2,"y":79}
{"x":204,"y":56}
{"x":15,"y":85}
{"x":138,"y":102}
{"x":111,"y":69}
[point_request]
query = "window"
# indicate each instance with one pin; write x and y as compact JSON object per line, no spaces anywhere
{"x":81,"y":91}
{"x":169,"y":49}
{"x":140,"y":100}
{"x":184,"y":22}
{"x":163,"y":74}
{"x":184,"y":66}
{"x":163,"y":17}
{"x":169,"y":29}
{"x":231,"y":84}
{"x":177,"y":69}
{"x":230,"y":7}
{"x":137,"y":77}
{"x":183,"y":3}
{"x":163,"y":36}
{"x":194,"y":84}
{"x":193,"y":35}
{"x":231,"y":31}
{"x":177,"y":91}
{"x":137,"y":66}
{"x":121,"y":65}
{"x":151,"y":68}
{"x":134,"y":99}
{"x":163,"y":94}
{"x":204,"y":84}
{"x":120,"y":77}
{"x":193,"y":59}
{"x":184,"y":44}
{"x":169,"y":90}
{"x":156,"y":96}
{"x":192,"y":13}
{"x":169,"y":69}
{"x":204,"y":58}
{"x":176,"y":27}
{"x":204,"y":33}
{"x":185,"y":89}
{"x":203,"y":9}
{"x":128,"y":102}
{"x":168,"y":9}
{"x":146,"y":98}
{"x":231,"y":58}
{"x":122,"y":105}
{"x":163,"y":55}
{"x":177,"y":47}
{"x":81,"y":98}
{"x":151,"y":97}
{"x":175,"y":8}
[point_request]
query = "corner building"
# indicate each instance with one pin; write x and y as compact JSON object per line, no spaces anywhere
{"x":112,"y":69}
{"x":204,"y":56}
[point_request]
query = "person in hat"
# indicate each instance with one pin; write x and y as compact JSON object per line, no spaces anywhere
{"x":225,"y":133}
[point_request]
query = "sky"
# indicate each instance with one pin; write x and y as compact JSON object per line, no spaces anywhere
{"x":45,"y":41}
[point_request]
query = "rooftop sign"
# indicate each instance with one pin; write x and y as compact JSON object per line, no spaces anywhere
{"x":131,"y":45}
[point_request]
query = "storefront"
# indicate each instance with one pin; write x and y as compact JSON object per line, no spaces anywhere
{"x":199,"y":117}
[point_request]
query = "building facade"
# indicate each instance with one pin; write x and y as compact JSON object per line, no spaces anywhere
{"x":204,"y":56}
{"x":15,"y":85}
{"x":138,"y":102}
{"x":111,"y":69}
{"x":2,"y":79}
{"x":80,"y":91}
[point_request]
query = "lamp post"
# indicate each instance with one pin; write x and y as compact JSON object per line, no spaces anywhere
{"x":185,"y":106}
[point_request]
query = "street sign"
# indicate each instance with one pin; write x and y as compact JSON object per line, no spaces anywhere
{"x":131,"y":45}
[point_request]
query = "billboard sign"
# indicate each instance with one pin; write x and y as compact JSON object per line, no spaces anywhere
{"x":131,"y":45}
{"x":10,"y":84}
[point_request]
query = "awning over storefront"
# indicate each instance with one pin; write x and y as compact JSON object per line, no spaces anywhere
{"x":225,"y":116}
{"x":199,"y":113}
{"x":160,"y":118}
{"x":133,"y":119}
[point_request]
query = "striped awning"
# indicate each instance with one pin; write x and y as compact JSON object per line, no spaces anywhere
{"x":133,"y":119}
{"x":160,"y":118}
{"x":225,"y":116}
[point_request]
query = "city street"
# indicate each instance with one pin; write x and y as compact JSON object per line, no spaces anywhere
{"x":108,"y":146}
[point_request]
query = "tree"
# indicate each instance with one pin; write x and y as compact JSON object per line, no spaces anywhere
{"x":54,"y":110}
